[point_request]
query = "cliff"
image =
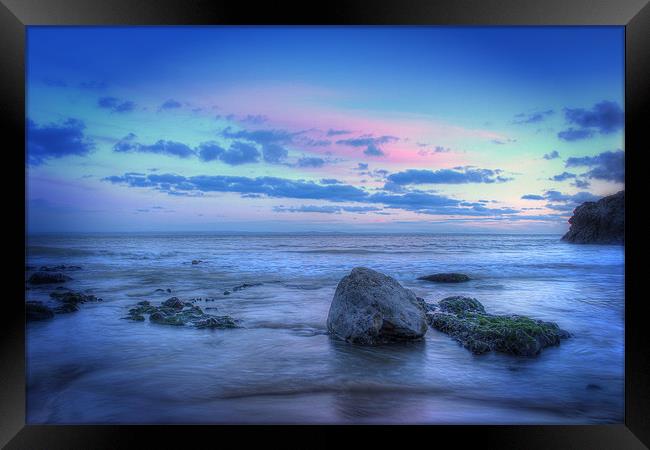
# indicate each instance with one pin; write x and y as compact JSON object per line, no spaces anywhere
{"x":601,"y":222}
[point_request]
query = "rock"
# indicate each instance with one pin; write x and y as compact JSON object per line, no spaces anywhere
{"x":244,"y":286}
{"x":35,"y":311}
{"x":465,"y":319}
{"x":66,"y":308}
{"x":135,"y":317}
{"x":74,"y":297}
{"x":371,"y":308}
{"x":48,"y":278}
{"x":601,"y":222}
{"x":58,"y":268}
{"x":422,"y":303}
{"x":445,"y":278}
{"x":173,"y":302}
{"x":165,"y":319}
{"x":71,"y":300}
{"x":460,"y":305}
{"x":226,"y":292}
{"x":217,"y":322}
{"x":178,"y":313}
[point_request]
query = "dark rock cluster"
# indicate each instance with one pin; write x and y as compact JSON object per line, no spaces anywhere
{"x":178,"y":313}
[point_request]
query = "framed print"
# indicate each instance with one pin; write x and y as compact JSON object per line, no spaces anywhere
{"x":378,"y":218}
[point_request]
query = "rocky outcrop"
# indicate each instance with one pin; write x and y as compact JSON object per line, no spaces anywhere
{"x":48,"y":278}
{"x":371,"y":308}
{"x":446,"y":278}
{"x":601,"y":222}
{"x":465,"y":319}
{"x":175,"y":312}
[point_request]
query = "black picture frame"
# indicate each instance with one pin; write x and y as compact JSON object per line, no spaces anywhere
{"x":15,"y":15}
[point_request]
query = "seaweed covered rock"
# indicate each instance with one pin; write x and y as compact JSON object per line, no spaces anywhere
{"x":163,"y":318}
{"x":217,"y":322}
{"x":445,"y":278}
{"x":71,"y":300}
{"x":460,"y":305}
{"x":178,"y":313}
{"x":465,"y":319}
{"x":372,"y":308}
{"x":601,"y":222}
{"x":35,"y":311}
{"x":174,"y":303}
{"x":74,"y":297}
{"x":48,"y":278}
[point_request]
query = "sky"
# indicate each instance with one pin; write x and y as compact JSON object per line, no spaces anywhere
{"x":321,"y":129}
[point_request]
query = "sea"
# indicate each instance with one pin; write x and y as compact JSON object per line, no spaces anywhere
{"x":281,"y":366}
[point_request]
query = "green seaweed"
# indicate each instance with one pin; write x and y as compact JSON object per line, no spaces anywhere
{"x":465,"y":320}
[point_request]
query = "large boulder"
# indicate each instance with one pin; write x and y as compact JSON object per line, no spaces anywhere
{"x":601,"y":222}
{"x":372,"y":308}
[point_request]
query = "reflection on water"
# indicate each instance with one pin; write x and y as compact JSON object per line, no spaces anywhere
{"x":282,"y":367}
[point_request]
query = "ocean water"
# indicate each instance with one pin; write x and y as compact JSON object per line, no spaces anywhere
{"x":282,"y":366}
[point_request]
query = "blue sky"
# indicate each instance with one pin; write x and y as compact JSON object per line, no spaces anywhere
{"x":321,"y":128}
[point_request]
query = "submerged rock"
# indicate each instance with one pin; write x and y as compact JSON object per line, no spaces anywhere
{"x":178,"y":313}
{"x":35,"y":311}
{"x":66,"y":308}
{"x":74,"y":297}
{"x":166,"y":319}
{"x":371,"y":308}
{"x":601,"y":222}
{"x":465,"y":319}
{"x":244,"y":286}
{"x":217,"y":322}
{"x":58,"y":268}
{"x":445,"y":278}
{"x":173,"y":302}
{"x":70,"y":300}
{"x":48,"y":278}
